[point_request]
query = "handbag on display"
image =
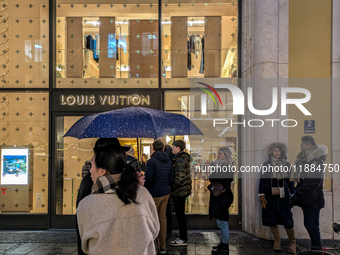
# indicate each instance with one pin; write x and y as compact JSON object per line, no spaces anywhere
{"x":216,"y":188}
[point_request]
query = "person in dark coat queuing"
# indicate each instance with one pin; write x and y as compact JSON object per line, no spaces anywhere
{"x":276,"y":209}
{"x":131,"y":159}
{"x":86,"y":168}
{"x":168,"y":150}
{"x":144,"y":161}
{"x":159,"y":175}
{"x":181,"y":189}
{"x":309,"y":190}
{"x":86,"y":184}
{"x":219,"y":206}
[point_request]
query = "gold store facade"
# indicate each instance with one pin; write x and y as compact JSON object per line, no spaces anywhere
{"x":61,"y":60}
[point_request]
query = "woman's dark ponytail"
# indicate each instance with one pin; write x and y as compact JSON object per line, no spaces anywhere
{"x":128,"y":185}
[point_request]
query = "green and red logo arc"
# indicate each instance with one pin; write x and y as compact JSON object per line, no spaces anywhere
{"x":209,"y":93}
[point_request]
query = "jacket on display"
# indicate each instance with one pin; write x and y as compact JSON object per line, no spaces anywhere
{"x":195,"y":46}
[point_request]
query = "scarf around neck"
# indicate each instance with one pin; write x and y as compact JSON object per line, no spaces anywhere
{"x":279,"y":162}
{"x":301,"y":159}
{"x":106,"y":184}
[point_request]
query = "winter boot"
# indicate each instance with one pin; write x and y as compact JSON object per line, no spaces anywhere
{"x":223,"y":249}
{"x":277,"y":239}
{"x":214,"y":248}
{"x":292,"y":241}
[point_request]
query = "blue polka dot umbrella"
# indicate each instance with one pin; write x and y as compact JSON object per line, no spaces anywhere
{"x":137,"y":122}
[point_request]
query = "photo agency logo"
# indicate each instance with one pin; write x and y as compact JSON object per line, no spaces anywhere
{"x":239,"y":105}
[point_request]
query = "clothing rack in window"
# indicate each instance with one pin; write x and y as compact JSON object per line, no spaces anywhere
{"x":196,"y":46}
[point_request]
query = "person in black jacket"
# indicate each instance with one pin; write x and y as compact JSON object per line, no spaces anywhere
{"x":144,"y":161}
{"x":219,"y":206}
{"x":86,"y":184}
{"x":276,"y":209}
{"x":131,"y":159}
{"x":309,"y":190}
{"x":181,"y":189}
{"x":159,"y":175}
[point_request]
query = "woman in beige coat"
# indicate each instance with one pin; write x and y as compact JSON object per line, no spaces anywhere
{"x":120,"y":216}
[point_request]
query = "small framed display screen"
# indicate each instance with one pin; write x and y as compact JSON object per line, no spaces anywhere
{"x":14,"y":166}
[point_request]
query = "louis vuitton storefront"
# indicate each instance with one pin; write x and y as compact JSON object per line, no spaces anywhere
{"x":61,"y":60}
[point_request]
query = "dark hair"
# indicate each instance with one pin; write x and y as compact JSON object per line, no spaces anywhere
{"x":102,"y":142}
{"x":128,"y":185}
{"x":158,"y":145}
{"x":180,"y":144}
{"x":308,"y":139}
{"x":112,"y":158}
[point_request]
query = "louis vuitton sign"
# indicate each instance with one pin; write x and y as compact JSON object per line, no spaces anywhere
{"x":103,"y":100}
{"x":135,"y":100}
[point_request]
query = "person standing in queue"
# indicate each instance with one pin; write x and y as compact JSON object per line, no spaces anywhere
{"x":86,"y":183}
{"x":219,"y":203}
{"x":118,"y":210}
{"x":159,"y":175}
{"x":181,"y":189}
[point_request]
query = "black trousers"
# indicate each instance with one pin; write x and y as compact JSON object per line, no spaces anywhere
{"x":169,"y":218}
{"x":180,"y":214}
{"x":312,"y":221}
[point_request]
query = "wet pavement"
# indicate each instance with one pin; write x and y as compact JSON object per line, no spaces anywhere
{"x":54,"y":242}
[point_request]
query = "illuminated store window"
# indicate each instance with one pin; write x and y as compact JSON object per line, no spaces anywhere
{"x":199,"y":40}
{"x":107,"y":45}
{"x":24,"y":152}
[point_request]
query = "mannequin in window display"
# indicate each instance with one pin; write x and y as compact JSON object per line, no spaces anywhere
{"x":276,"y":208}
{"x":219,"y":206}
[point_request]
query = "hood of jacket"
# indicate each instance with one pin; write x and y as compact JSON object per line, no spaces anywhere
{"x":320,"y":151}
{"x":270,"y":148}
{"x":160,"y":155}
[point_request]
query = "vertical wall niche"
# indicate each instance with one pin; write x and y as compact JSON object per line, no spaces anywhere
{"x":75,"y":47}
{"x":143,"y":48}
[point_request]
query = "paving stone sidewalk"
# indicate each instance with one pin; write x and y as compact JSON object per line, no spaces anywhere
{"x":53,"y":242}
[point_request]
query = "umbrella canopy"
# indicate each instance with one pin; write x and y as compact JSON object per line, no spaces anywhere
{"x":138,"y":122}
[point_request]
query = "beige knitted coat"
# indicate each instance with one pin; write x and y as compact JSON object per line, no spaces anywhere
{"x":109,"y":227}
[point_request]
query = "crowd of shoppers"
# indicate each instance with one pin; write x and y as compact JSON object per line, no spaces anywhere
{"x":114,"y":206}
